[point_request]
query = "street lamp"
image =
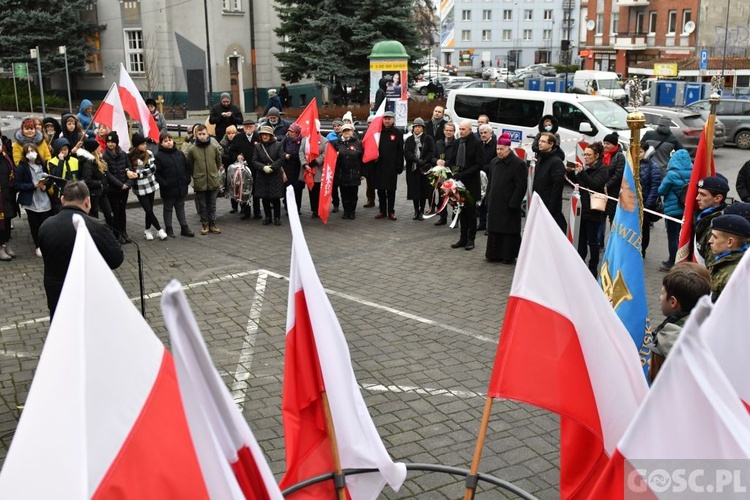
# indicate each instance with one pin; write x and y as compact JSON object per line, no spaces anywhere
{"x":35,"y":55}
{"x":63,"y":50}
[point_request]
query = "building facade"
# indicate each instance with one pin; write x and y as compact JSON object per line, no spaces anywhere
{"x":507,"y":33}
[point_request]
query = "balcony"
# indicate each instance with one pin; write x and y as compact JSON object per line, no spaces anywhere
{"x":630,"y":41}
{"x":568,"y":4}
{"x":632,"y":3}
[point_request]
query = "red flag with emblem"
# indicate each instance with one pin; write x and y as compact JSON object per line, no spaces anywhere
{"x":326,"y":182}
{"x":309,"y":125}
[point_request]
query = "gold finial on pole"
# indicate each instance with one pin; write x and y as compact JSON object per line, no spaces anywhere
{"x":636,"y":121}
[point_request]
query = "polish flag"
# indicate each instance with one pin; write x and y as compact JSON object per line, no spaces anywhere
{"x":111,"y":114}
{"x":691,"y":417}
{"x":563,"y":348}
{"x":308,"y":121}
{"x":135,"y":106}
{"x":326,"y":182}
{"x":574,"y":217}
{"x":317,"y":359}
{"x":229,"y":455}
{"x":371,"y":140}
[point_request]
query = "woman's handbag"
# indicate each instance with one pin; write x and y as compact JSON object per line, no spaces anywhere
{"x":598,"y":201}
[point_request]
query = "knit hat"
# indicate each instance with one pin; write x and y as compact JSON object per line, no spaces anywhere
{"x":338,"y":121}
{"x":112,"y":137}
{"x":274,"y":111}
{"x":225,"y":95}
{"x":715,"y":184}
{"x":612,"y":138}
{"x":389,"y":114}
{"x":504,"y":139}
{"x":137,"y":140}
{"x":418,"y":122}
{"x":348,"y":116}
{"x":265,"y":129}
{"x":738,"y":208}
{"x":90,"y":145}
{"x":271,"y":92}
{"x":295,"y":128}
{"x":735,"y":224}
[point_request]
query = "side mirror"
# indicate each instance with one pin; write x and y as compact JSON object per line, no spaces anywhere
{"x":585,"y":128}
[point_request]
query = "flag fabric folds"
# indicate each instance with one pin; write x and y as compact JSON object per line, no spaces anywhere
{"x":326,"y":182}
{"x":135,"y":106}
{"x":112,"y":114}
{"x":692,"y":413}
{"x":104,"y":416}
{"x":562,"y":348}
{"x":317,"y":359}
{"x":371,"y":140}
{"x":232,"y":462}
{"x":307,"y":121}
{"x":701,"y":168}
{"x":621,"y":273}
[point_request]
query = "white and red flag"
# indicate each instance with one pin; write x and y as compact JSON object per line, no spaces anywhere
{"x":111,"y":114}
{"x":563,"y":348}
{"x":326,"y":182}
{"x":371,"y":140}
{"x":691,"y":421}
{"x":232,"y":462}
{"x":135,"y":106}
{"x":308,"y":122}
{"x":317,"y":359}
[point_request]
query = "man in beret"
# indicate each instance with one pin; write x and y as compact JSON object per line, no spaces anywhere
{"x":712,"y":193}
{"x":728,"y":240}
{"x":738,"y":208}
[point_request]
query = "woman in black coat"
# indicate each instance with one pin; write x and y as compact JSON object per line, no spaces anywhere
{"x":290,"y":145}
{"x":94,"y":172}
{"x":349,"y":169}
{"x":173,"y":173}
{"x":507,"y":182}
{"x":119,"y":184}
{"x":592,"y":176}
{"x":419,"y":149}
{"x":269,"y":185}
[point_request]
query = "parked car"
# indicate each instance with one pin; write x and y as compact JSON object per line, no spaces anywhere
{"x":451,"y":69}
{"x":494,"y":73}
{"x":421,"y":87}
{"x":476,"y":84}
{"x":542,"y":69}
{"x":687,"y":125}
{"x":734,"y":114}
{"x":520,"y":76}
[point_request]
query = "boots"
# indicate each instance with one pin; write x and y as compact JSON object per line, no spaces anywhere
{"x":266,"y":221}
{"x":3,"y":254}
{"x":170,"y":232}
{"x":185,"y":231}
{"x":9,"y":251}
{"x":204,"y":228}
{"x":276,"y":221}
{"x":213,"y":229}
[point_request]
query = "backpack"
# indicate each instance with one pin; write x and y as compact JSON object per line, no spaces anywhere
{"x":683,"y":195}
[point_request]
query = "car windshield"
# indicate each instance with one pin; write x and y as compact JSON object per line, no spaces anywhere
{"x":608,"y":84}
{"x":608,"y":113}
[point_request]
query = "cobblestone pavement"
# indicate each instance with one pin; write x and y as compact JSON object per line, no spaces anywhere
{"x":422,"y":321}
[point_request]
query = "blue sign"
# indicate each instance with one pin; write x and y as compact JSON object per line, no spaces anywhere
{"x":515,"y":135}
{"x":704,"y":59}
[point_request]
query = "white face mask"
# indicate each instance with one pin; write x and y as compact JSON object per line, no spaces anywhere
{"x":548,"y":128}
{"x":31,"y":156}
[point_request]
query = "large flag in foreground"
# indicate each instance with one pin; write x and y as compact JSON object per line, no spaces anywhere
{"x":111,"y":114}
{"x":317,"y":359}
{"x":691,"y":417}
{"x":621,"y":275}
{"x":371,"y":140}
{"x":562,"y":348}
{"x":701,"y":168}
{"x":135,"y":106}
{"x":104,"y":417}
{"x":232,"y":462}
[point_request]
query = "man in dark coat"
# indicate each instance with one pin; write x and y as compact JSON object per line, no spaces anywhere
{"x":223,"y":115}
{"x":388,"y":166}
{"x":489,"y":153}
{"x":507,"y":179}
{"x":245,"y":143}
{"x":743,"y":182}
{"x":434,"y":128}
{"x":57,"y":236}
{"x":419,"y":148}
{"x":445,"y":156}
{"x":469,"y":162}
{"x":549,"y":177}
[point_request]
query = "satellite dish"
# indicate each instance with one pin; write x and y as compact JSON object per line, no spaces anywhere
{"x":689,"y":27}
{"x":590,"y":25}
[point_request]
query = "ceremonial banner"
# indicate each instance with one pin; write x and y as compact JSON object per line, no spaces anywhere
{"x":308,"y":121}
{"x":326,"y":182}
{"x":371,"y":140}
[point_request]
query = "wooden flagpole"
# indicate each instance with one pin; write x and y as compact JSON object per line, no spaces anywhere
{"x":340,"y":491}
{"x":471,"y":489}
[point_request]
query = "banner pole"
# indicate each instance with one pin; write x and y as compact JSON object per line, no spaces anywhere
{"x":471,"y":479}
{"x":338,"y":478}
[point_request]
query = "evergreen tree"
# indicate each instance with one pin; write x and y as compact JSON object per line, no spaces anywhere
{"x":25,"y":24}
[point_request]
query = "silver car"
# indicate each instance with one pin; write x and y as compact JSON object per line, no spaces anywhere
{"x":687,"y":125}
{"x":734,"y":114}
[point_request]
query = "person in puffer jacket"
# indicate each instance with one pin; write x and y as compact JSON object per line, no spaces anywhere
{"x":679,"y":169}
{"x":650,"y":181}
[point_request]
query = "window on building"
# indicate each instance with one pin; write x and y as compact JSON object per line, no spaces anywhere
{"x":507,"y":15}
{"x":599,"y":24}
{"x":547,"y":35}
{"x":134,"y":50}
{"x":651,"y":22}
{"x":542,"y":57}
{"x":686,"y":18}
{"x":672,"y":22}
{"x":507,"y":35}
{"x":527,"y":34}
{"x":615,"y":20}
{"x":131,"y":12}
{"x":547,"y":14}
{"x":486,"y":36}
{"x":466,"y":15}
{"x":89,"y":15}
{"x":486,"y":15}
{"x":528,"y":15}
{"x":466,"y":35}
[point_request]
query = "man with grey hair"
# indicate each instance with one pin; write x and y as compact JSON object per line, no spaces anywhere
{"x":57,"y":236}
{"x":469,"y":162}
{"x":489,"y":145}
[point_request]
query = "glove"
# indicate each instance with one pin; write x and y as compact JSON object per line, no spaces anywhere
{"x":267,"y":169}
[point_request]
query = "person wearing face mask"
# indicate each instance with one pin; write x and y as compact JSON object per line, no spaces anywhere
{"x":28,"y":134}
{"x":419,"y":148}
{"x":33,"y":195}
{"x":547,"y":123}
{"x":279,"y":125}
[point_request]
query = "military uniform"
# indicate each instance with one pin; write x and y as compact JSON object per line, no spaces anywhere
{"x":721,"y":270}
{"x":723,"y":265}
{"x":703,"y":232}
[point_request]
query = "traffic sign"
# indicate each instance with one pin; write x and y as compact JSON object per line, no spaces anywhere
{"x":704,"y":59}
{"x":19,"y":69}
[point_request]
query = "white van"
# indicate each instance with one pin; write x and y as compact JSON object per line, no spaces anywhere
{"x":580,"y":117}
{"x":604,"y":83}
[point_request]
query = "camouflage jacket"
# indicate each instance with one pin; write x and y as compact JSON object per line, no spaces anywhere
{"x":703,"y":234}
{"x":721,"y":270}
